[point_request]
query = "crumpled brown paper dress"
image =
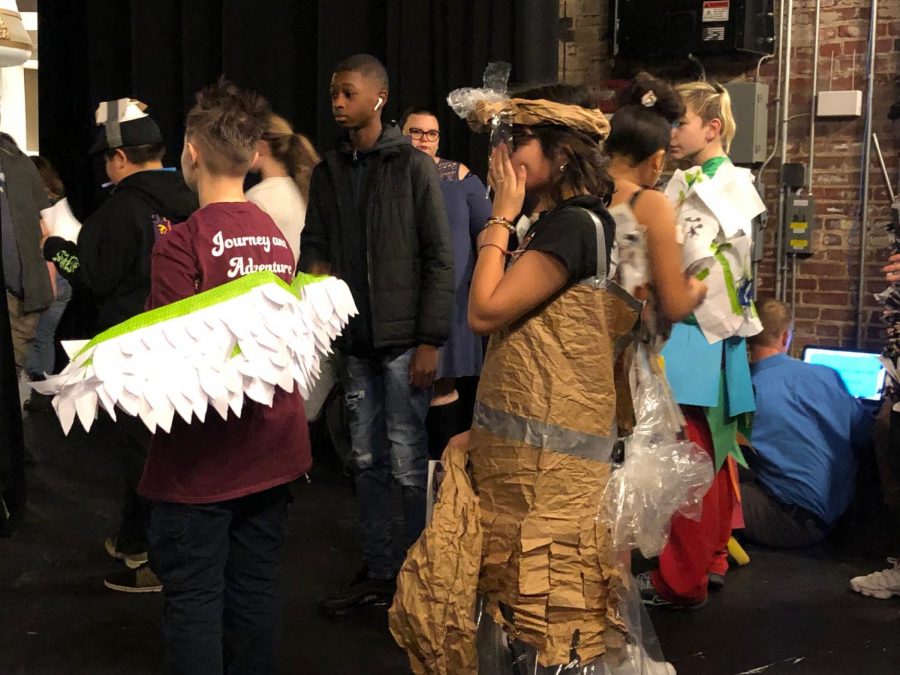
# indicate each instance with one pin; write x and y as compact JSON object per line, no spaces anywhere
{"x":433,"y":615}
{"x":546,"y":423}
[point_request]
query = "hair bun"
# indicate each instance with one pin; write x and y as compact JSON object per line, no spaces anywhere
{"x":653,"y":94}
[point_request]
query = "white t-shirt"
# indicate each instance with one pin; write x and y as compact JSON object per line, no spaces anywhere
{"x":280,"y":198}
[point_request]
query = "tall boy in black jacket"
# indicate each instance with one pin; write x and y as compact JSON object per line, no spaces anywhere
{"x":376,"y":219}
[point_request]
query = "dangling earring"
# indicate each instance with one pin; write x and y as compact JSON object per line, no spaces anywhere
{"x":562,"y":168}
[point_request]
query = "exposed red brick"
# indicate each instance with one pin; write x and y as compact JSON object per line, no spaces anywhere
{"x":827,"y":285}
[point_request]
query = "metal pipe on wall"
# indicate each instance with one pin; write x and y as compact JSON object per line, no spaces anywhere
{"x":864,"y":179}
{"x":812,"y":136}
{"x":815,"y":93}
{"x":759,"y":176}
{"x":786,"y":26}
{"x":778,"y":66}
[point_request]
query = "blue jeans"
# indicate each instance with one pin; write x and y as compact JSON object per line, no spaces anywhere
{"x":218,"y":566}
{"x":42,"y":351}
{"x":386,"y":416}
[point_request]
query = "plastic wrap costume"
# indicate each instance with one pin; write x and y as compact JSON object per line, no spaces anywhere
{"x":887,"y":427}
{"x":244,"y":338}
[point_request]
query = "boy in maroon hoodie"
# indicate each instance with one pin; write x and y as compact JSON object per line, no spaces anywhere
{"x":219,"y":488}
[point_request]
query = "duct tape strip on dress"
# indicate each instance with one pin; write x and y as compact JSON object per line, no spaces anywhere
{"x":545,"y":435}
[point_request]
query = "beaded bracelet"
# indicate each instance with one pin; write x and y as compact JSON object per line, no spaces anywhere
{"x":496,"y":220}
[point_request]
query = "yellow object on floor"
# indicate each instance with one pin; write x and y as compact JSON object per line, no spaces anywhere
{"x":737,"y":552}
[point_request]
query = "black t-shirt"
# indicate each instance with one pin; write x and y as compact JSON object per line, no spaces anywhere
{"x":569,"y":234}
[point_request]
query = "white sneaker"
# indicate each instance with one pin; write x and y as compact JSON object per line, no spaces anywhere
{"x":638,"y":662}
{"x":881,"y":585}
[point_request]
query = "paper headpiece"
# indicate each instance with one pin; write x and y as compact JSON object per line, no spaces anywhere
{"x":124,"y":123}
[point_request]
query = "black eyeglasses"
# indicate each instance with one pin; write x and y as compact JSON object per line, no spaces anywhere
{"x":519,"y":138}
{"x":419,"y":134}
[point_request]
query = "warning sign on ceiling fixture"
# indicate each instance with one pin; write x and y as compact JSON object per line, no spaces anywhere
{"x":715,"y":10}
{"x":714,"y":34}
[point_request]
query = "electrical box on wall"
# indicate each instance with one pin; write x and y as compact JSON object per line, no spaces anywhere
{"x":799,"y":225}
{"x":750,"y":105}
{"x":644,"y":29}
{"x":839,"y":104}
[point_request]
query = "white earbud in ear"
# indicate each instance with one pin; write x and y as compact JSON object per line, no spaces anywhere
{"x":378,"y":105}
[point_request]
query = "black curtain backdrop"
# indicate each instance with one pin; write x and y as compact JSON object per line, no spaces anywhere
{"x":163,"y":51}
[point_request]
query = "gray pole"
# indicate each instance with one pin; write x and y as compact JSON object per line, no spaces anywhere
{"x":864,"y":187}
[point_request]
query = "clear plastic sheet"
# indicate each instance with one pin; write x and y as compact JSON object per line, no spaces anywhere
{"x":662,"y":474}
{"x":497,"y":655}
{"x":496,"y":76}
{"x":464,"y":100}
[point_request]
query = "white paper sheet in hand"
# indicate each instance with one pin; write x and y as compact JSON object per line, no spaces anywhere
{"x":60,"y":221}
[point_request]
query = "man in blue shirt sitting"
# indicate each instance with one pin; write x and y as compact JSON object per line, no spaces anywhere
{"x":805,"y":431}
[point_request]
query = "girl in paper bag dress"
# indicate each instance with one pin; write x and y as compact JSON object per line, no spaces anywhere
{"x":548,"y":407}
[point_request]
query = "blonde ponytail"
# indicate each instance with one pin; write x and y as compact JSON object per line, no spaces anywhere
{"x":295,"y":152}
{"x":709,"y":102}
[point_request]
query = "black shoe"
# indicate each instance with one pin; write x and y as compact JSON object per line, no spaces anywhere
{"x":139,"y":580}
{"x":715,"y":582}
{"x":651,"y":597}
{"x":362,"y":591}
{"x":38,"y":403}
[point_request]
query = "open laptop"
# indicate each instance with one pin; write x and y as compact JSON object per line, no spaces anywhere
{"x":862,"y":372}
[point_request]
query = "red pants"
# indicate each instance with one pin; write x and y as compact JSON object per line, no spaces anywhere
{"x":697,"y":548}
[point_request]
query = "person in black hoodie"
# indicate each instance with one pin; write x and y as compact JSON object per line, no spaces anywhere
{"x":112,"y":260}
{"x":376,"y":218}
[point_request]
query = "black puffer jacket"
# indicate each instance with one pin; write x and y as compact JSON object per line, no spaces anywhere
{"x":391,"y":245}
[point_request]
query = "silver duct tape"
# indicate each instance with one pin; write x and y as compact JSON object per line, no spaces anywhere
{"x":113,"y":128}
{"x":544,"y":435}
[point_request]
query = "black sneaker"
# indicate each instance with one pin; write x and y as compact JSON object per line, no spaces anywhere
{"x":38,"y":402}
{"x":715,"y":582}
{"x":139,"y":580}
{"x":362,"y":591}
{"x":651,"y":597}
{"x":131,"y":560}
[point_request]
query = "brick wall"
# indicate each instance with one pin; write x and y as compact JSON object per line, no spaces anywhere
{"x":827,"y":283}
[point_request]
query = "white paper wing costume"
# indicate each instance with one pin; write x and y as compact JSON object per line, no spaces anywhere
{"x":715,"y":218}
{"x":244,"y":338}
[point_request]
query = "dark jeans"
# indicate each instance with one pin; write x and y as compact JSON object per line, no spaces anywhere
{"x":389,"y":441}
{"x":218,"y":565}
{"x":132,"y":440}
{"x":770,"y":523}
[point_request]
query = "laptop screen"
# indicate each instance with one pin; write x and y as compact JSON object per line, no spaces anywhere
{"x":861,"y":371}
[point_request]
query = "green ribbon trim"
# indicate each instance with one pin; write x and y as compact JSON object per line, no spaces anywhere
{"x":214,"y":296}
{"x":730,"y":286}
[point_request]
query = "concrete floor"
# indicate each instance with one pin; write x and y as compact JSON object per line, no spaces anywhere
{"x":784,"y":613}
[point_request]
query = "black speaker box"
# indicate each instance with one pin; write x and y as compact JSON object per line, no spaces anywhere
{"x":653,"y":29}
